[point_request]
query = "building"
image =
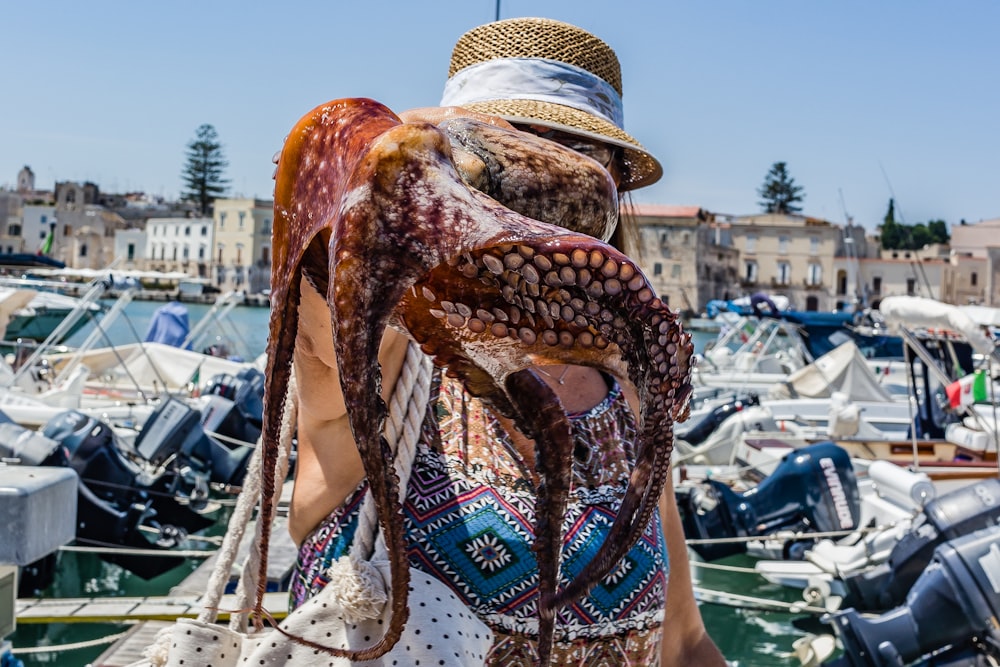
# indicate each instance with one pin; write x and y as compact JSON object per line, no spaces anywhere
{"x":791,"y":255}
{"x":688,"y":259}
{"x":935,"y":271}
{"x":981,"y":240}
{"x":242,"y":256}
{"x":130,"y":250}
{"x":179,"y":244}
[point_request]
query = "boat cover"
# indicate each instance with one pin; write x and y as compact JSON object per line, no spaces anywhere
{"x":916,"y":312}
{"x":169,"y":325}
{"x":842,"y":369}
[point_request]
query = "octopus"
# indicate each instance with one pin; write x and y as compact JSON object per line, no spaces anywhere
{"x":484,"y":245}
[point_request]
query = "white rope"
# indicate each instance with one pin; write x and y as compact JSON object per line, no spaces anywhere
{"x":711,"y":596}
{"x":90,"y":643}
{"x":724,"y":568}
{"x":407,"y":408}
{"x":246,"y":587}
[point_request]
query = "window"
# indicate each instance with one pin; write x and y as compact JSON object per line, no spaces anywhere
{"x":784,"y":273}
{"x":187,"y":230}
{"x":267,"y":226}
{"x":42,"y":234}
{"x":265,"y":255}
{"x":221,"y":247}
{"x":67,"y":230}
{"x":782,"y":245}
{"x":174,"y":257}
{"x":750,"y":272}
{"x":751,"y":243}
{"x":657,"y":269}
{"x":186,"y":253}
{"x":131,"y":251}
{"x":675,"y":271}
{"x":243,"y":215}
{"x":204,"y":230}
{"x":14,"y":230}
{"x":911,"y":284}
{"x":83,"y":250}
{"x":815,"y":273}
{"x":973,"y":279}
{"x":877,"y":285}
{"x":814,"y":245}
{"x":201,"y":252}
{"x":45,"y":219}
{"x":239,"y":253}
{"x":222,"y":219}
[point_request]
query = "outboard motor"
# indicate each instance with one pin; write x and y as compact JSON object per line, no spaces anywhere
{"x":116,"y":496}
{"x":241,"y":414}
{"x":947,"y":517}
{"x":951,"y":611}
{"x":174,"y":434}
{"x":697,"y":433}
{"x":812,"y":489}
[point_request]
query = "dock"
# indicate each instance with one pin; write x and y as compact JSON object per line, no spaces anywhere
{"x":131,"y":610}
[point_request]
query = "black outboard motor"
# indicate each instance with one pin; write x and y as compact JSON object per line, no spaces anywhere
{"x":697,"y":433}
{"x":951,"y":611}
{"x":812,"y":489}
{"x":947,"y":517}
{"x":245,"y":390}
{"x":116,"y":496}
{"x":174,"y":434}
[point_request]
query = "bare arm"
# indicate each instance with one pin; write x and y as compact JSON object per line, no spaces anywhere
{"x":328,"y":466}
{"x":684,"y":641}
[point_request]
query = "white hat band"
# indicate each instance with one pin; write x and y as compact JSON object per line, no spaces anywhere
{"x":536,"y":79}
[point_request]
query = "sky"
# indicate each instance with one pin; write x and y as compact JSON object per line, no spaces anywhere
{"x":862,"y":100}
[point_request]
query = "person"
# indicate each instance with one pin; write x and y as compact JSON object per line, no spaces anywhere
{"x":502,"y":72}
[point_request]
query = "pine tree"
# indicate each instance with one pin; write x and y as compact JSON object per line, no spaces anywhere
{"x":203,"y":173}
{"x":779,"y":193}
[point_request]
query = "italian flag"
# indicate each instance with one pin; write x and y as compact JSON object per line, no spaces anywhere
{"x":968,"y":390}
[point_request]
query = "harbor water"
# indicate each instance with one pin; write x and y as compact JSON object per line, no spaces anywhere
{"x":747,"y":636}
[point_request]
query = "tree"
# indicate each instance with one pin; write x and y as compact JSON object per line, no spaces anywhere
{"x":779,"y":193}
{"x":203,"y":173}
{"x":896,"y":236}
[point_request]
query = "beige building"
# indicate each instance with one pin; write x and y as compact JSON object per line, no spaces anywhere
{"x":242,"y":255}
{"x":981,"y":240}
{"x":688,"y":259}
{"x":936,"y":271}
{"x":790,"y":255}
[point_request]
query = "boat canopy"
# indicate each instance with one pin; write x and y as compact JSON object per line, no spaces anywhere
{"x":842,"y":369}
{"x":916,"y":312}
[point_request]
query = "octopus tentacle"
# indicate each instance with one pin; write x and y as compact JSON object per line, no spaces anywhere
{"x":547,"y":424}
{"x":489,"y":284}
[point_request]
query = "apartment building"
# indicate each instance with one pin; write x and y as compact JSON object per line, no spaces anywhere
{"x":791,"y":255}
{"x":242,"y":252}
{"x":686,"y":257}
{"x":179,"y":244}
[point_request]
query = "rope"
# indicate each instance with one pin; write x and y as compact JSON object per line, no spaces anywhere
{"x":90,"y":643}
{"x":124,"y":551}
{"x":710,"y":596}
{"x":407,"y":409}
{"x":247,"y":583}
{"x":724,"y":568}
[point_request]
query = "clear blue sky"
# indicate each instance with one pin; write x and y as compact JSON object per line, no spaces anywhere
{"x":860,"y":98}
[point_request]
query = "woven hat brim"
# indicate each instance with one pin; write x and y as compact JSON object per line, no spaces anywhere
{"x":638,"y":166}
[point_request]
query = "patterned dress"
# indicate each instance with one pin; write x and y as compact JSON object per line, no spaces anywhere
{"x":469,"y":513}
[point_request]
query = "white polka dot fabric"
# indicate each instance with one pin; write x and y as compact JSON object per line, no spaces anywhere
{"x":441,"y":631}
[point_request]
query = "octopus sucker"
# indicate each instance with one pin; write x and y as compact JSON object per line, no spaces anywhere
{"x":479,"y":274}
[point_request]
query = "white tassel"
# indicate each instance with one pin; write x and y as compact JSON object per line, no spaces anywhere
{"x":357,"y":587}
{"x":159,"y":651}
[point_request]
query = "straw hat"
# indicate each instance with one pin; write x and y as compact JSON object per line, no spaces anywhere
{"x":552,"y":74}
